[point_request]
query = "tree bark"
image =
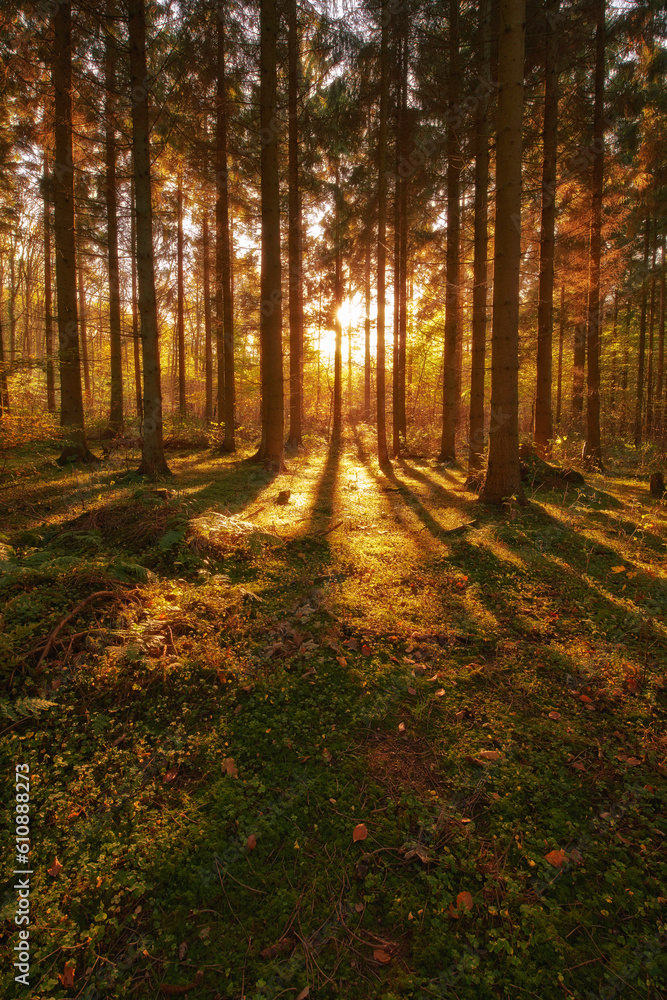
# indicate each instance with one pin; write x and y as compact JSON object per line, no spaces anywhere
{"x":136,"y":348}
{"x":48,"y":301}
{"x":383,"y":453}
{"x":660,"y":373}
{"x":83,"y":313}
{"x":295,"y":234}
{"x":4,"y":387}
{"x":208,"y":342}
{"x":71,"y":397}
{"x":367,"y":332}
{"x":639,"y":408}
{"x":593,"y":448}
{"x":543,"y":412}
{"x":450,"y":399}
{"x":336,"y":433}
{"x":651,"y":337}
{"x":115,"y":341}
{"x":224,"y":300}
{"x":180,"y":305}
{"x":503,"y":476}
{"x":480,"y":264}
{"x":272,"y":445}
{"x":561,"y":340}
{"x":153,"y":460}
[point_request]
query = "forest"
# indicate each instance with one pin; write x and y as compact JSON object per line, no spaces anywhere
{"x":333,"y":519}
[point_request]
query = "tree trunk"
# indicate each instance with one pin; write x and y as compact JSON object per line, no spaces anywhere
{"x":180,"y":306}
{"x":503,"y":477}
{"x":480,"y":265}
{"x":592,"y":448}
{"x":48,"y":302}
{"x":625,"y":371}
{"x":543,"y":413}
{"x":383,"y":453}
{"x":367,"y":332}
{"x":336,"y":432}
{"x":153,"y":461}
{"x":208,"y":342}
{"x":271,"y":447}
{"x":660,"y":373}
{"x":651,"y":337}
{"x":561,"y":339}
{"x":223,"y":269}
{"x":83,"y":315}
{"x":294,"y":234}
{"x":642,"y":337}
{"x":135,"y":310}
{"x":71,"y":397}
{"x":115,"y":340}
{"x":450,"y":399}
{"x":4,"y":388}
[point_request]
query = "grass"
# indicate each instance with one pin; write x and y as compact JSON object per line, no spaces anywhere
{"x":482,"y":690}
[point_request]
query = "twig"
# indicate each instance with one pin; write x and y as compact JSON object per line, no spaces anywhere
{"x":329,"y":530}
{"x":72,"y":614}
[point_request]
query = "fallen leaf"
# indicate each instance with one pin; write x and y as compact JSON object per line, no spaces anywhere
{"x":229,"y":767}
{"x":401,"y":727}
{"x":67,"y":978}
{"x":170,"y":775}
{"x":239,"y":708}
{"x":380,"y":955}
{"x":585,"y":699}
{"x":304,"y":993}
{"x":495,"y":796}
{"x":285,"y":944}
{"x":618,"y":569}
{"x":359,"y":907}
{"x":452,"y":912}
{"x":366,"y":650}
{"x":578,"y":765}
{"x":411,"y":691}
{"x":633,"y":761}
{"x":489,"y":754}
{"x":576,"y":856}
{"x":418,"y":852}
{"x":464,"y":901}
{"x":182,"y":950}
{"x":360,"y":832}
{"x":326,"y":755}
{"x":251,"y":842}
{"x":556,"y":858}
{"x":555,"y":716}
{"x":342,"y":661}
{"x":55,"y":869}
{"x":440,"y":692}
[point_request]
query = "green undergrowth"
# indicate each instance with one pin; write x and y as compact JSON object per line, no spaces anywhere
{"x":370,"y":739}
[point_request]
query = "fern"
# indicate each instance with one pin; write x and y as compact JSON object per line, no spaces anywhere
{"x":24,"y":707}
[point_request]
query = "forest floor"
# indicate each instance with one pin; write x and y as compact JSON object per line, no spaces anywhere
{"x":374,"y":741}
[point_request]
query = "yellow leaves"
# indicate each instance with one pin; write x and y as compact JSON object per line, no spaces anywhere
{"x":360,"y":832}
{"x":618,"y":569}
{"x":342,"y":661}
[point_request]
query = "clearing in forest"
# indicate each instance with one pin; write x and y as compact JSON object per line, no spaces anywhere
{"x":335,"y":732}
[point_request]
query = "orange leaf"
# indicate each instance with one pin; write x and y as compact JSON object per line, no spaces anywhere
{"x":359,"y":907}
{"x":464,"y":901}
{"x":401,"y":727}
{"x":556,"y":858}
{"x":489,"y":754}
{"x":554,"y":715}
{"x":360,"y":832}
{"x":585,"y":699}
{"x":453,"y":913}
{"x":229,"y":767}
{"x":366,"y":650}
{"x":251,"y":842}
{"x":342,"y":661}
{"x":380,"y":955}
{"x":67,"y":978}
{"x":56,"y":868}
{"x":411,"y":691}
{"x":170,"y":775}
{"x":633,"y":762}
{"x":304,"y":993}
